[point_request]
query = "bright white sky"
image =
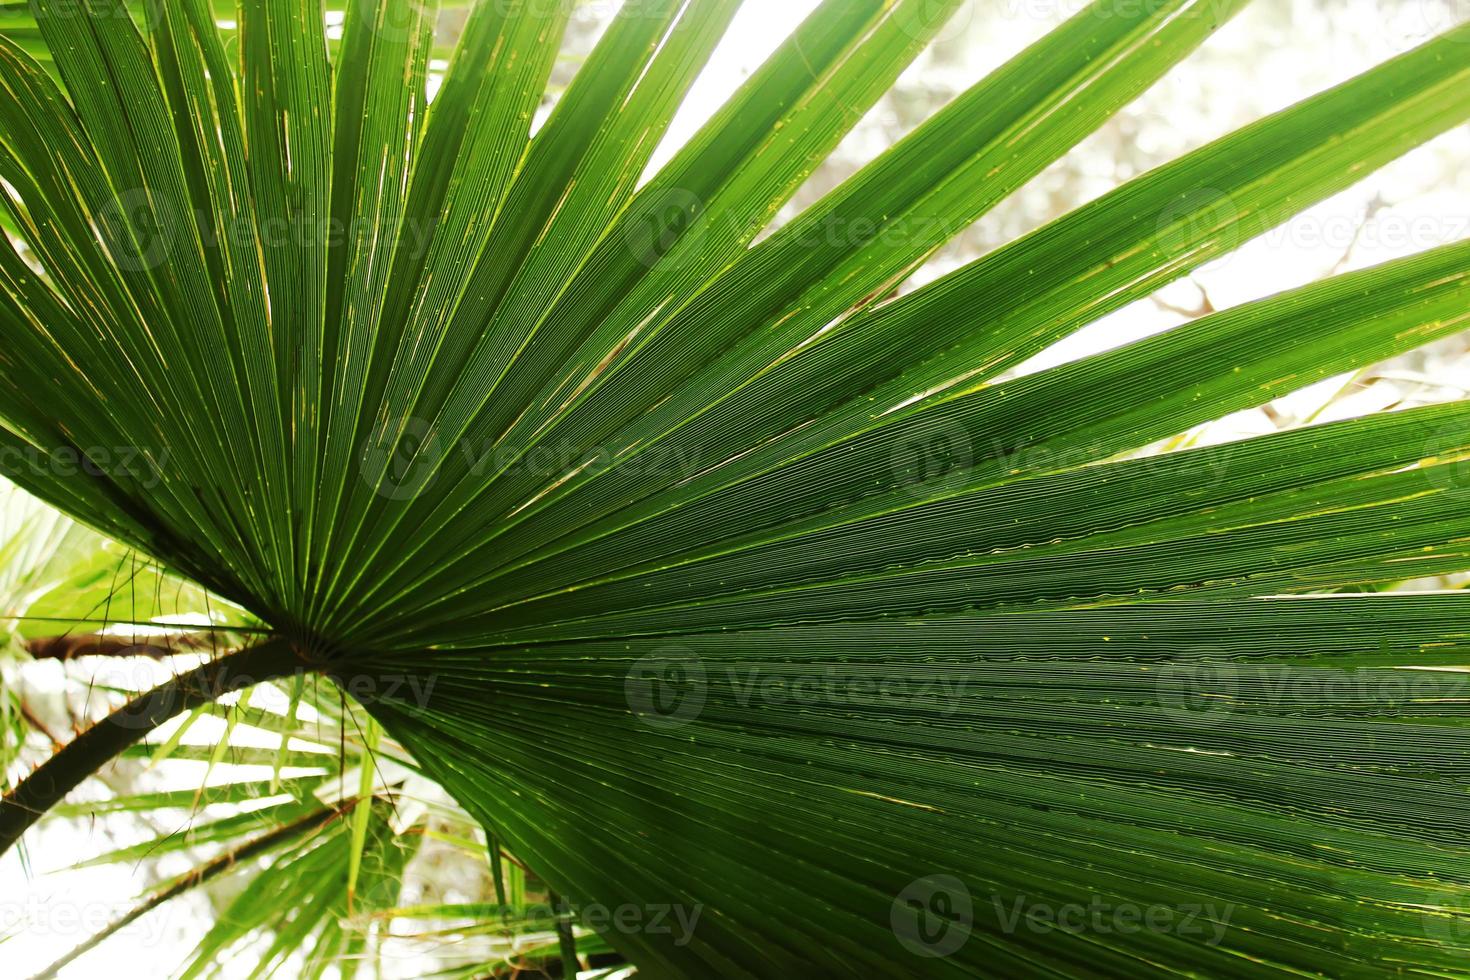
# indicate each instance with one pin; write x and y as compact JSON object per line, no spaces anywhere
{"x":1250,"y":68}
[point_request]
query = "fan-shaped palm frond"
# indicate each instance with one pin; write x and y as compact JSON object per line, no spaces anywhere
{"x":872,"y":654}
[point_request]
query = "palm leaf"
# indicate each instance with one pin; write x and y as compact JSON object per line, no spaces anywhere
{"x":871,"y":655}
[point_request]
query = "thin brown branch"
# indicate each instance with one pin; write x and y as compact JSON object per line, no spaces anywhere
{"x":1204,"y":307}
{"x":202,"y":874}
{"x":96,"y":645}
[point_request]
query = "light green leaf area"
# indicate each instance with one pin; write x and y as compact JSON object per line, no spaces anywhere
{"x":715,"y":580}
{"x":59,"y":578}
{"x":300,"y":901}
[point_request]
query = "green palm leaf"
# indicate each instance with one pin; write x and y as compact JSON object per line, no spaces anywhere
{"x":729,"y":587}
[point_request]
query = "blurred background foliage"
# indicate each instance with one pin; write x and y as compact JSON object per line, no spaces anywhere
{"x":279,"y":830}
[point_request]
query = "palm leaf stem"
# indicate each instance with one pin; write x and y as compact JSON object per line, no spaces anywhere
{"x":104,"y":741}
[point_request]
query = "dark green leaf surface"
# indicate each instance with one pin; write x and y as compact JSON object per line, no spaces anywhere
{"x":729,"y":587}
